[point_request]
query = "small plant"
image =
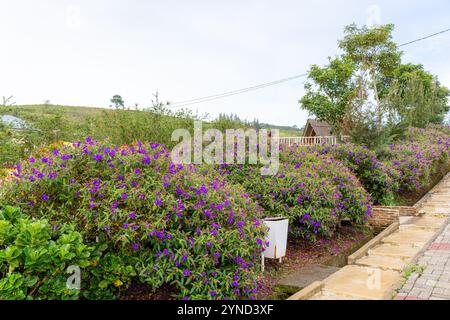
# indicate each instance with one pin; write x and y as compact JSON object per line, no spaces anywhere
{"x":410,"y":269}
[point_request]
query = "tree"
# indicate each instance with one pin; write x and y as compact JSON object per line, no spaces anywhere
{"x":376,"y":58}
{"x":416,"y":98}
{"x":331,"y":93}
{"x":117,"y":102}
{"x":367,"y":92}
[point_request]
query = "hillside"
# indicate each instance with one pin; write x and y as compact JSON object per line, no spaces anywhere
{"x":79,"y":115}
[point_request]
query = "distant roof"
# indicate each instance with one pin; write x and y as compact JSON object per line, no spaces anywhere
{"x":14,"y":122}
{"x":321,"y":128}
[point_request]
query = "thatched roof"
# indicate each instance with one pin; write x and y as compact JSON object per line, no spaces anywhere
{"x":317,"y":128}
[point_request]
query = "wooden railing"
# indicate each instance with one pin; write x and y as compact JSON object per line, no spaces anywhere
{"x":310,"y":141}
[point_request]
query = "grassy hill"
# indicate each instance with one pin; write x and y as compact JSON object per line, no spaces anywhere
{"x":79,"y":115}
{"x":52,"y":123}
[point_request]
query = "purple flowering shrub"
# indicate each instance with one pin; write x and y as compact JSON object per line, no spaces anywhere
{"x":378,"y":178}
{"x":418,"y":157}
{"x":164,"y":224}
{"x":314,"y":191}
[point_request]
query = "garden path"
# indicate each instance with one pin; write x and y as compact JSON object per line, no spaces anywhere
{"x":424,"y":240}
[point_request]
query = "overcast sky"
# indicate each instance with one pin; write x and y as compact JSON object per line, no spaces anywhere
{"x":83,"y":52}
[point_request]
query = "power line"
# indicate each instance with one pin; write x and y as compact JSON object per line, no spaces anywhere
{"x":424,"y":38}
{"x":234,"y":92}
{"x":185,"y":103}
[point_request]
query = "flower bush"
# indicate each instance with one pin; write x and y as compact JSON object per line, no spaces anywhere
{"x":164,"y":224}
{"x":418,"y":157}
{"x":378,"y":178}
{"x":314,"y":191}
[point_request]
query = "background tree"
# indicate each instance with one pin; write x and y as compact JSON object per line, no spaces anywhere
{"x":117,"y":102}
{"x":367,"y":92}
{"x":331,"y":93}
{"x":416,"y":98}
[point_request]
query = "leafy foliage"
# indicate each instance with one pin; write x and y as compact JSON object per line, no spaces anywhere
{"x":34,"y":257}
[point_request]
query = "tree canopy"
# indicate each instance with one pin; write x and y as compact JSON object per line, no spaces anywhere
{"x":368,"y":93}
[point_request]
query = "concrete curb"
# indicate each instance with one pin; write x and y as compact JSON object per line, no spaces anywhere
{"x":308,"y":292}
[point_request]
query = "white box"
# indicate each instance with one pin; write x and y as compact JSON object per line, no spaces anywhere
{"x":277,"y":237}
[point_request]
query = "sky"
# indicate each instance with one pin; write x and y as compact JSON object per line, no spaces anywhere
{"x":84,"y":52}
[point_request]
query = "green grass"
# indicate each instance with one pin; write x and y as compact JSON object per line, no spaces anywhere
{"x":79,"y":115}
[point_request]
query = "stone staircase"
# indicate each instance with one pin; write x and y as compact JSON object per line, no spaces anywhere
{"x":376,"y":275}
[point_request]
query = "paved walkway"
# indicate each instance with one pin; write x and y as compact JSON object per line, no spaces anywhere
{"x":432,"y":283}
{"x":377,"y":275}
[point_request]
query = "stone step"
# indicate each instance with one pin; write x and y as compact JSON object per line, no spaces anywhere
{"x":443,"y":216}
{"x":415,"y":237}
{"x":439,"y":201}
{"x":436,"y":204}
{"x":405,"y":251}
{"x":362,"y":283}
{"x":434,"y":210}
{"x":423,"y":223}
{"x":383,"y":262}
{"x":331,"y":296}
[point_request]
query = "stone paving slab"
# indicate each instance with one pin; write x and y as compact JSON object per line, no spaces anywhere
{"x":404,"y":251}
{"x":416,"y":237}
{"x":383,"y":262}
{"x":425,"y":223}
{"x":362,"y":282}
{"x":330,"y":296}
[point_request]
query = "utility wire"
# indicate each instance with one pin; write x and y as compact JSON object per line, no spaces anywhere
{"x":213,"y":97}
{"x":234,"y":92}
{"x":424,"y":38}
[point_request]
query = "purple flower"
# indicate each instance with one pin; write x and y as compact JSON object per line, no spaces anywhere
{"x":215,"y":225}
{"x":146,"y":160}
{"x":186,"y":273}
{"x":136,"y":246}
{"x":159,"y":202}
{"x":132,"y":215}
{"x":137,"y":171}
{"x":124,"y":196}
{"x":44,"y":197}
{"x":213,"y":293}
{"x":31,"y":160}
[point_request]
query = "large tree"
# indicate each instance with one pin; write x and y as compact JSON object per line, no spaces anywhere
{"x":368,"y":90}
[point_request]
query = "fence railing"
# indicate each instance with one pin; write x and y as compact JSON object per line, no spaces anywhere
{"x":310,"y":141}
